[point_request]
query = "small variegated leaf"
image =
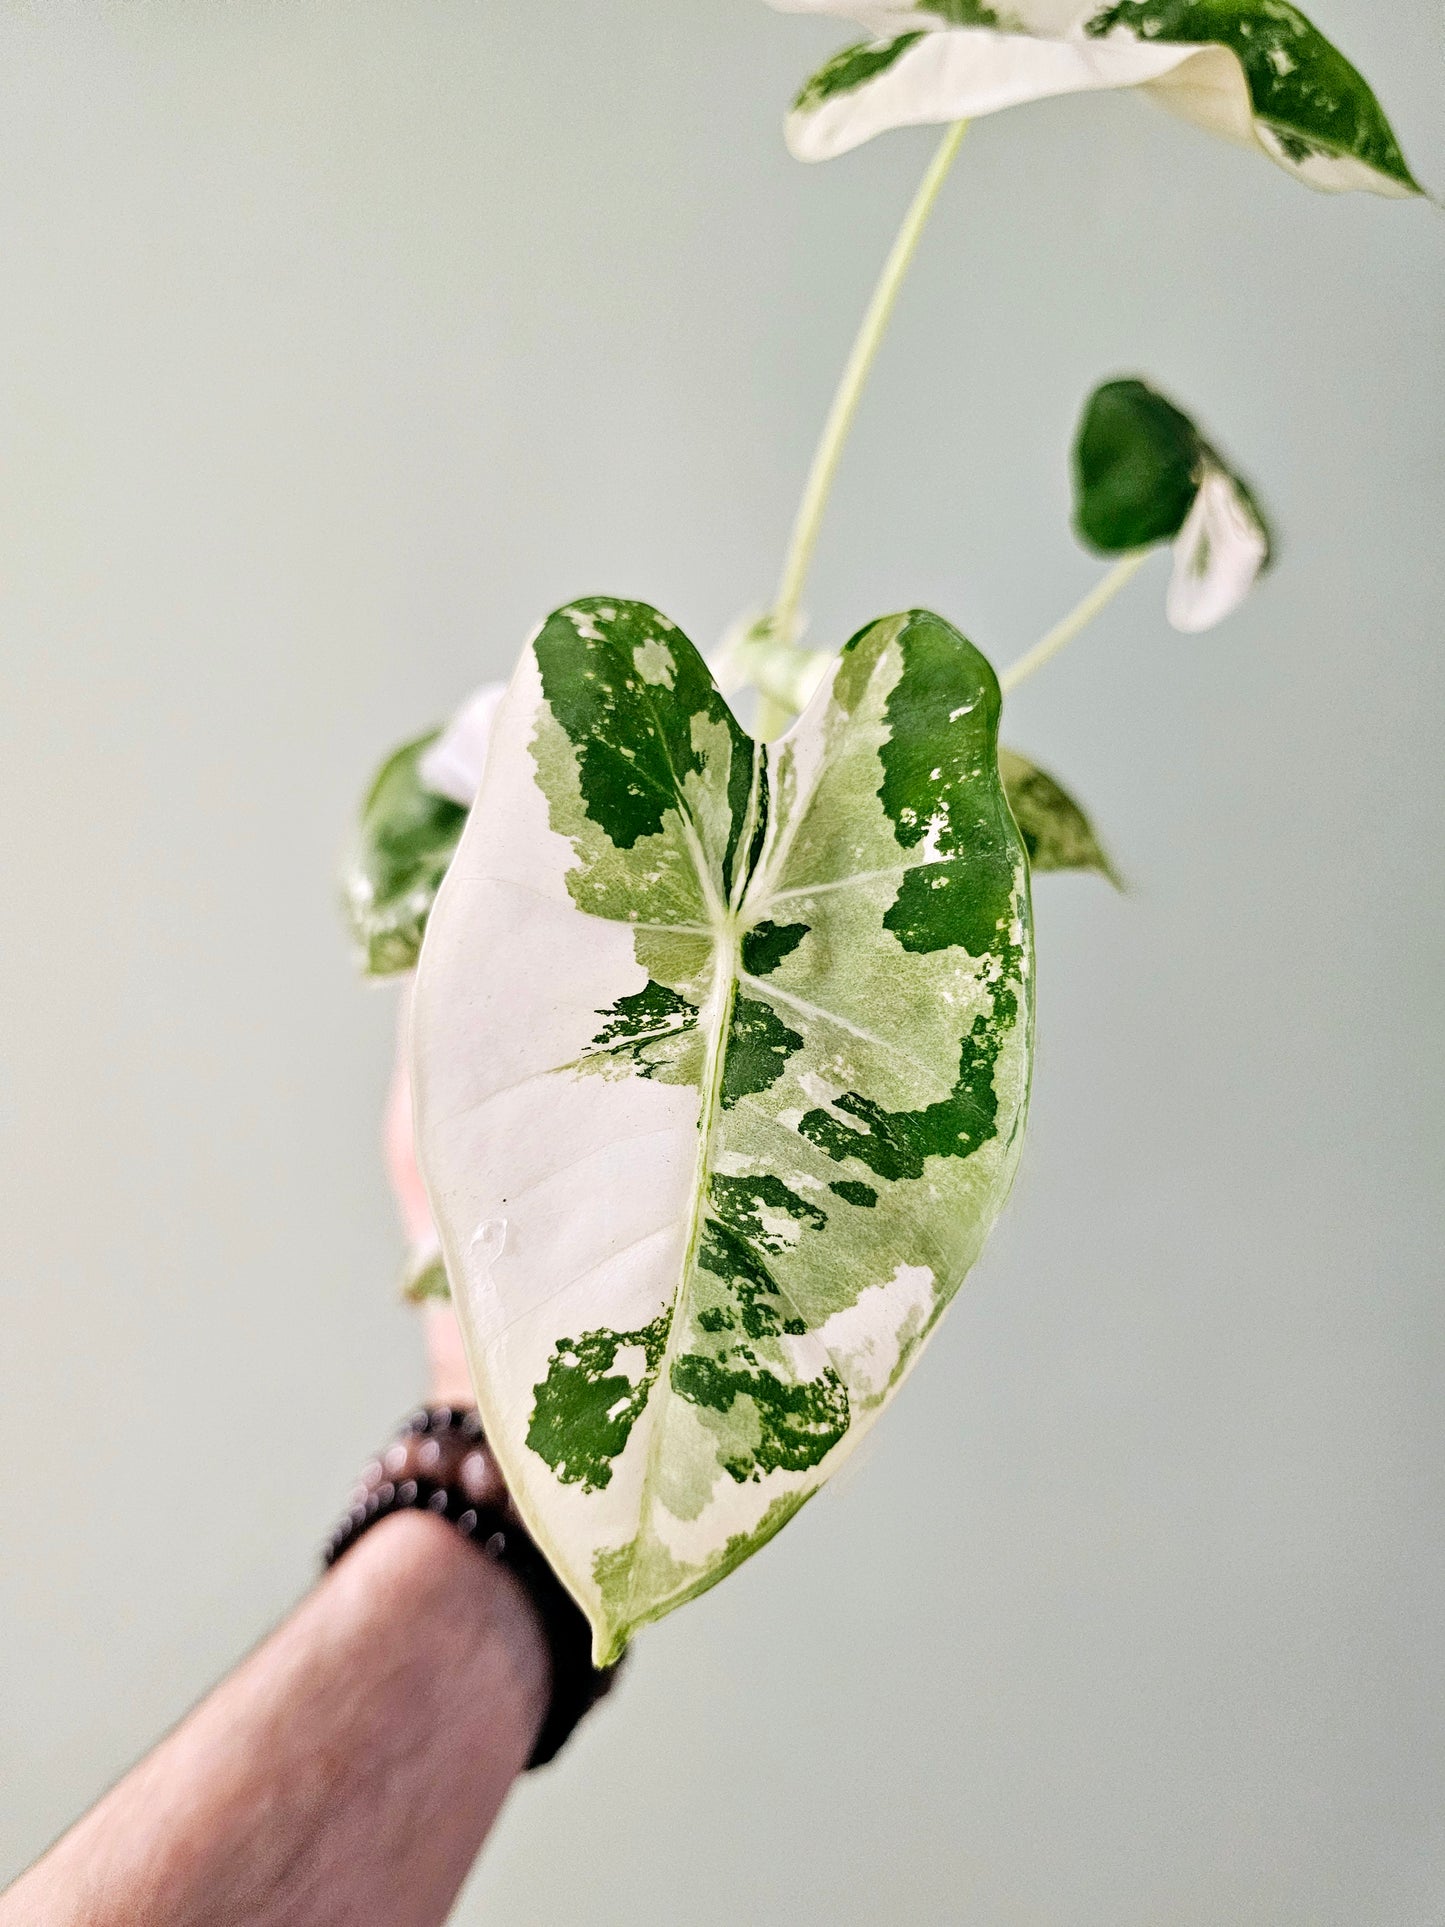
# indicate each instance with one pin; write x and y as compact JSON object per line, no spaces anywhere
{"x":405,"y":842}
{"x":720,"y":1055}
{"x":1145,"y":475}
{"x":410,"y":824}
{"x":1056,"y":832}
{"x":1252,"y":71}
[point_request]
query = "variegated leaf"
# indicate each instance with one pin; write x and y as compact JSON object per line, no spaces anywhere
{"x":410,"y":825}
{"x":1252,"y":71}
{"x":406,"y":839}
{"x":1056,"y":832}
{"x":1144,"y":475}
{"x":721,"y":1056}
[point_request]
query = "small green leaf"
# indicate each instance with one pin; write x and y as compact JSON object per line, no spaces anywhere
{"x":1145,"y":475}
{"x":1056,"y":832}
{"x":406,"y":841}
{"x":721,"y":1057}
{"x":1254,"y":71}
{"x":424,"y":1281}
{"x":410,"y":823}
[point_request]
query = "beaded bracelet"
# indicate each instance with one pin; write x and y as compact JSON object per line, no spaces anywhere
{"x":439,"y":1462}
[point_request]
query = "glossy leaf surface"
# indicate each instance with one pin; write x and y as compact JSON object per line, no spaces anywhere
{"x":721,"y":1058}
{"x":1252,"y":71}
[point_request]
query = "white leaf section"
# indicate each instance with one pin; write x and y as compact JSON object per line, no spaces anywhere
{"x":970,"y":72}
{"x":453,"y":766}
{"x":1218,"y":556}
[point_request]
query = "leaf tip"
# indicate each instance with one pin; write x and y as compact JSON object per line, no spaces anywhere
{"x":609,"y":1643}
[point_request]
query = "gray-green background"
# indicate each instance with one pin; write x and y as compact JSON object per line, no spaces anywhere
{"x":338,"y":343}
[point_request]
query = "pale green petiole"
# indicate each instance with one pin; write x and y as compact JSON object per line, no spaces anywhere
{"x":785,"y":678}
{"x":772,"y":716}
{"x":782,"y":690}
{"x":1078,"y":619}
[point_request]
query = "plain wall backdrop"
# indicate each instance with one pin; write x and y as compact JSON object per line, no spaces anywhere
{"x":338,"y":344}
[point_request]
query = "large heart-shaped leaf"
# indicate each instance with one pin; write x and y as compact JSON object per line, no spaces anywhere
{"x":1252,"y":71}
{"x":1144,"y":474}
{"x":721,"y":1057}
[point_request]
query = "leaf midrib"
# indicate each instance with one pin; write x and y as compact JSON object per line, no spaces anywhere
{"x":727,"y":949}
{"x":727,"y":932}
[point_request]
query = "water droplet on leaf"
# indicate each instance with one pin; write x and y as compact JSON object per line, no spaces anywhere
{"x":488,"y":1239}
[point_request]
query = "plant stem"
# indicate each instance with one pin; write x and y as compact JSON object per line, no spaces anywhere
{"x":845,"y":407}
{"x":1078,"y":618}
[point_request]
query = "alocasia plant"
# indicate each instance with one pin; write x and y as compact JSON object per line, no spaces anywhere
{"x":720,"y":1041}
